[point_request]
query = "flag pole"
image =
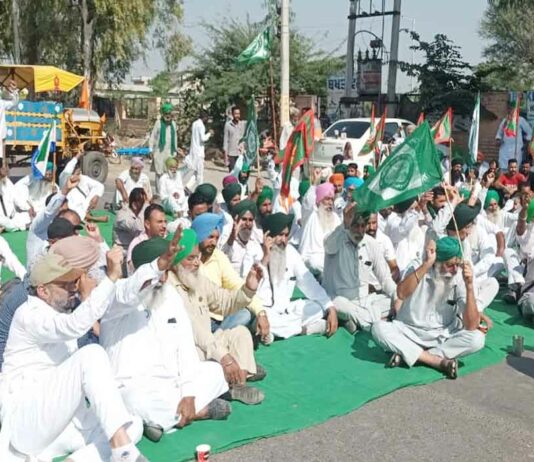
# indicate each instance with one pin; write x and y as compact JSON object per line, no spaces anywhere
{"x":273,"y":109}
{"x":516,"y":125}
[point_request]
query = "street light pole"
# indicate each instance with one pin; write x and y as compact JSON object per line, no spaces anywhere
{"x":349,"y":70}
{"x":394,"y":59}
{"x":284,"y":63}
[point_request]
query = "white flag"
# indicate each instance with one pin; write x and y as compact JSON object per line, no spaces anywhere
{"x":473,"y":133}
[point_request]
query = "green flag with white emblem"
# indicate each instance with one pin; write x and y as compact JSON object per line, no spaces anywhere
{"x":412,"y":168}
{"x":251,"y":138}
{"x":259,"y":49}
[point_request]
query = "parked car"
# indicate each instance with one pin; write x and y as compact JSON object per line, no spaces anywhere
{"x":355,"y":132}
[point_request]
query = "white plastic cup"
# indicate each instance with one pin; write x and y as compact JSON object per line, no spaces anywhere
{"x":203,"y":452}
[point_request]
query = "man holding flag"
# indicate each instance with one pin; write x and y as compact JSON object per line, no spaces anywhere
{"x":510,"y":135}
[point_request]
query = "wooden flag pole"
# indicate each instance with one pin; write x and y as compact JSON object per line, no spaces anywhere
{"x":450,"y":161}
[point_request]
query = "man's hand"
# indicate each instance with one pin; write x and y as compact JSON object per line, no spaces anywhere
{"x":32,"y":213}
{"x":166,"y":260}
{"x":232,"y":372}
{"x":348,"y":214}
{"x":11,"y":86}
{"x":467,"y":273}
{"x":424,"y":200}
{"x":254,"y":276}
{"x":93,"y":203}
{"x":186,"y":410}
{"x":315,"y":176}
{"x":71,"y":183}
{"x":114,"y":259}
{"x":430,"y":254}
{"x":266,"y":246}
{"x":235,"y":230}
{"x":86,"y":285}
{"x":258,"y":186}
{"x":490,"y":178}
{"x":93,"y":232}
{"x":262,"y":325}
{"x":452,"y":194}
{"x":331,"y":322}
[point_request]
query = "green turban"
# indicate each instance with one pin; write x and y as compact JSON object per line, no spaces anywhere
{"x":465,"y":215}
{"x":208,"y":191}
{"x":166,"y":108}
{"x":230,"y":191}
{"x":370,"y":169}
{"x":245,"y":206}
{"x":465,"y":193}
{"x":188,"y":242}
{"x":266,"y":193}
{"x":277,"y":222}
{"x":341,"y":168}
{"x":171,"y":162}
{"x":147,"y":251}
{"x":530,"y":211}
{"x":245,"y":168}
{"x":491,"y":195}
{"x":447,"y":248}
{"x":304,"y":185}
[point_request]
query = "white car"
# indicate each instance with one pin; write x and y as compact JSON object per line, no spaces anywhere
{"x":356,"y":132}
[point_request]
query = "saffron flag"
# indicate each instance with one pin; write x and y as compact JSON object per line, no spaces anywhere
{"x":42,"y":153}
{"x":442,"y":131}
{"x":370,"y":143}
{"x":421,"y":118}
{"x":510,"y":129}
{"x":380,"y":130}
{"x":297,"y":150}
{"x":474,"y":132}
{"x":259,"y":49}
{"x":412,"y":168}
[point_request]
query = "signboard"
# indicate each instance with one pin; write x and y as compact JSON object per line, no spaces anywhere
{"x":335,"y":90}
{"x":369,"y":77}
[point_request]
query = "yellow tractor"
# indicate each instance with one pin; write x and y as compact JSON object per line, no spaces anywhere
{"x":78,"y":129}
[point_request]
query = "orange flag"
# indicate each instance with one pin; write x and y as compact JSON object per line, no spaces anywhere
{"x":84,"y":97}
{"x":421,"y":118}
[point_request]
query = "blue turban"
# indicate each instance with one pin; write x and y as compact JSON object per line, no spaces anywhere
{"x":352,"y":181}
{"x":204,"y":225}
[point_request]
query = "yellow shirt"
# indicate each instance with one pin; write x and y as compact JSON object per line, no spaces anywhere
{"x":220,"y":271}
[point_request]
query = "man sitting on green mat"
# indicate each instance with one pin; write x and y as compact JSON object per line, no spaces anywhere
{"x":525,"y":239}
{"x":439,"y":318}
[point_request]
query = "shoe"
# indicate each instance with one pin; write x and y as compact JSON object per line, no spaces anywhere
{"x":219,"y":409}
{"x":246,"y":394}
{"x":260,"y":374}
{"x":512,"y":294}
{"x":351,"y":325}
{"x":152,"y":431}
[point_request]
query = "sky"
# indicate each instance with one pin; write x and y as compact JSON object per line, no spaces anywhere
{"x":326,"y":22}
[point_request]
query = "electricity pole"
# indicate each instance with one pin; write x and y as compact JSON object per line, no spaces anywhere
{"x":15,"y":14}
{"x":349,"y":71}
{"x":284,"y":63}
{"x":394,"y":59}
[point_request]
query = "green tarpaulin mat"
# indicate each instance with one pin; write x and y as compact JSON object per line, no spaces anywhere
{"x":312,"y":379}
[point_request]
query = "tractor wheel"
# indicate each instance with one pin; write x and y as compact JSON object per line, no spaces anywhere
{"x":95,"y":165}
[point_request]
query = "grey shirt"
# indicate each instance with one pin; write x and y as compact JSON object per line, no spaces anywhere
{"x":233,"y":133}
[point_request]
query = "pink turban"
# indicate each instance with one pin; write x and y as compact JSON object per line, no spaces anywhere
{"x":229,"y":179}
{"x":323,"y":191}
{"x":138,"y":162}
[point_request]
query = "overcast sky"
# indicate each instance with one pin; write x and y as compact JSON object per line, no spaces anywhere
{"x":326,"y":22}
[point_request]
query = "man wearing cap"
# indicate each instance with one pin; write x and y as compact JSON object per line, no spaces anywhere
{"x":231,"y":348}
{"x":33,"y":191}
{"x":14,"y":215}
{"x":439,"y":318}
{"x":148,"y":336}
{"x":162,"y":142}
{"x":351,"y":256}
{"x":130,"y":179}
{"x":84,"y":197}
{"x":216,"y":266}
{"x":171,"y":190}
{"x":37,"y":239}
{"x":234,"y":129}
{"x":284,"y":269}
{"x":321,"y":223}
{"x":45,"y":380}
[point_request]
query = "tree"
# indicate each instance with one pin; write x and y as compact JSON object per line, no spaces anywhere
{"x":444,"y":78}
{"x":508,"y":25}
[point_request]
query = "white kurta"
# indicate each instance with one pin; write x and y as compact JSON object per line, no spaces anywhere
{"x":13,"y":214}
{"x":195,"y":159}
{"x":406,"y":235}
{"x":10,"y":260}
{"x":130,"y":184}
{"x":34,"y":192}
{"x":169,"y":185}
{"x":510,"y":147}
{"x":243,"y":256}
{"x":161,"y":155}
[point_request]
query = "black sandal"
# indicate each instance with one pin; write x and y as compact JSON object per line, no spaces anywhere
{"x":395,"y":360}
{"x":450,"y":368}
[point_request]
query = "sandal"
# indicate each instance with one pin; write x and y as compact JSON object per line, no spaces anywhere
{"x":395,"y":360}
{"x":450,"y":368}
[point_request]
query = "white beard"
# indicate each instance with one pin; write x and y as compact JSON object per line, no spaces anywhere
{"x":495,"y":217}
{"x":327,"y":219}
{"x":187,"y":277}
{"x":277,"y":264}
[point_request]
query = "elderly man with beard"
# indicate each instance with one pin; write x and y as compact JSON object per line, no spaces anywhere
{"x":53,"y":395}
{"x":285,"y":270}
{"x":322,"y":222}
{"x":439,"y":318}
{"x":33,"y":191}
{"x":130,"y":179}
{"x":231,"y":348}
{"x":351,"y":256}
{"x":171,"y":190}
{"x":217,"y":268}
{"x":163,"y":142}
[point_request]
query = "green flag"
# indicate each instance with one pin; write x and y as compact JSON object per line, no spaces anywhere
{"x":259,"y":50}
{"x":412,"y":168}
{"x":251,"y":138}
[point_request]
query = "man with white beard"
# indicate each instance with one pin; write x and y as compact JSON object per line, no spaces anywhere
{"x":171,"y":190}
{"x":439,"y":318}
{"x":323,"y":221}
{"x":285,"y":270}
{"x":130,"y":179}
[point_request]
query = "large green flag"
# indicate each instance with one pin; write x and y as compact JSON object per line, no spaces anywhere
{"x":251,"y":138}
{"x":259,"y":50}
{"x":412,"y":168}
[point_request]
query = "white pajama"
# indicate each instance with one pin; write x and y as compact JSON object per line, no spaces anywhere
{"x":364,"y":311}
{"x":290,"y":321}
